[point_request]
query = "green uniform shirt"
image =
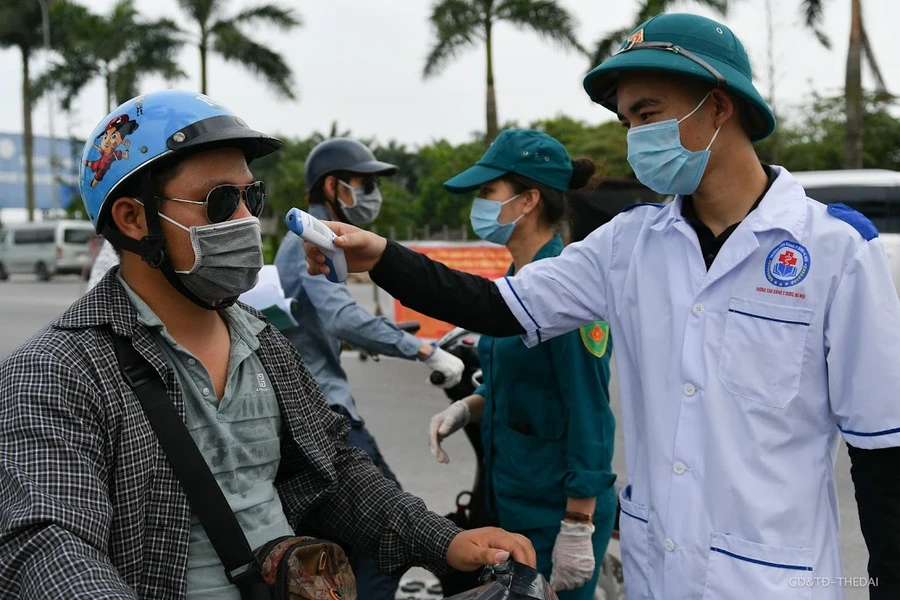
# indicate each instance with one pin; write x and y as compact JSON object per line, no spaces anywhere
{"x":239,"y":437}
{"x":547,"y":429}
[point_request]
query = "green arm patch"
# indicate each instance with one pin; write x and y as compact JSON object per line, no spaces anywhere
{"x":595,"y":337}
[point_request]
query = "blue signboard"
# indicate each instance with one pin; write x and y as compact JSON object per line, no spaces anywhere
{"x":53,"y":188}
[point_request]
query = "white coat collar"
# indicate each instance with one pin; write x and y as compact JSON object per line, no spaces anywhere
{"x":783,"y":207}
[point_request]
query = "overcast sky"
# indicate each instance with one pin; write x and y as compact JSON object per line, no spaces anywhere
{"x":359,"y":62}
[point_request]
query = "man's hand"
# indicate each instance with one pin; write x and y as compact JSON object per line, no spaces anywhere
{"x":362,"y":249}
{"x":475,"y":548}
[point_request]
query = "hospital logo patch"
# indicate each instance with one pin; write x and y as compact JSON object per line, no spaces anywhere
{"x":787,"y":264}
{"x":595,"y":337}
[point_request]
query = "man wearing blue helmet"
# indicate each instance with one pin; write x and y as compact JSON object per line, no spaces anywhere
{"x":342,"y":183}
{"x":757,"y":328}
{"x":89,"y":504}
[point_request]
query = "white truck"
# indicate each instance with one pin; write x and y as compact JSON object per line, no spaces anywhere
{"x":873,"y":192}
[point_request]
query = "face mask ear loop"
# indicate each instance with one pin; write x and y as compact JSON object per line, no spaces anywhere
{"x":352,"y":193}
{"x":713,"y":138}
{"x":695,"y":108}
{"x":517,"y":219}
{"x":165,"y":218}
{"x":510,"y":200}
{"x":335,"y":203}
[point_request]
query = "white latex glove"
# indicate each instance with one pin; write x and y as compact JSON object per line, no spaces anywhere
{"x":573,"y":556}
{"x":445,"y":424}
{"x":447,"y":365}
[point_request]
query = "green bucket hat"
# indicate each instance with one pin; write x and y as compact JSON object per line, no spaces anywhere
{"x":689,"y":45}
{"x":527,"y":152}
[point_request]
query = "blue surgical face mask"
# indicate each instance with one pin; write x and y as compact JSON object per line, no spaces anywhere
{"x":484,"y":217}
{"x":660,"y":161}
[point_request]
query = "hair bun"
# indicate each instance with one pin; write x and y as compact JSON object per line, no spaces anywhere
{"x":583,"y":170}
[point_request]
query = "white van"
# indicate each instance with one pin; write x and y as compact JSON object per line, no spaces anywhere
{"x":46,"y":249}
{"x":873,"y":192}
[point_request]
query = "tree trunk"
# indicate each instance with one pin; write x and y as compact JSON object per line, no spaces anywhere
{"x":770,"y":42}
{"x":853,"y":144}
{"x":491,"y":109}
{"x":27,"y":134}
{"x":109,"y":90}
{"x":203,"y":47}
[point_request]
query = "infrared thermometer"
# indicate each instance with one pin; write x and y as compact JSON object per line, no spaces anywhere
{"x":314,"y":231}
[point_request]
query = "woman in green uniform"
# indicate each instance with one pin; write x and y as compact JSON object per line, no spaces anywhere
{"x":546,"y":423}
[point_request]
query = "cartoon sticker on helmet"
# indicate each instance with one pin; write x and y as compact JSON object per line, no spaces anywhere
{"x":107,"y":144}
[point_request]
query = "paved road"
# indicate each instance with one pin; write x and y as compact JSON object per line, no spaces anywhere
{"x":397,"y":402}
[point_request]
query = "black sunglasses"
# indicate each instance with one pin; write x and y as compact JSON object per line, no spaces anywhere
{"x":223,"y":200}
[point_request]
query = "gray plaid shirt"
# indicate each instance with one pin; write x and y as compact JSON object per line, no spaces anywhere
{"x":89,"y":506}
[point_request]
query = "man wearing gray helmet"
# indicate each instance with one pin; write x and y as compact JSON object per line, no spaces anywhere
{"x":342,"y":183}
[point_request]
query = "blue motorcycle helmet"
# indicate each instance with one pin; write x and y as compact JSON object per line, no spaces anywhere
{"x":147,"y":135}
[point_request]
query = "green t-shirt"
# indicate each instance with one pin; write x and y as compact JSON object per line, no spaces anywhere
{"x":239,"y":437}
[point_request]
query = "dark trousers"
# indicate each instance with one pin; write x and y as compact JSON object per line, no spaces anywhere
{"x":372,"y":583}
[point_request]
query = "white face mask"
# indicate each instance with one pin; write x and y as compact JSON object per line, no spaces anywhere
{"x":227,"y":258}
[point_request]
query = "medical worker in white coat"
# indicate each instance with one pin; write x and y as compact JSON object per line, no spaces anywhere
{"x":755,"y":328}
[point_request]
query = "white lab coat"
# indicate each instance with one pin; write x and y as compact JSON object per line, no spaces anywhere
{"x":736,"y":385}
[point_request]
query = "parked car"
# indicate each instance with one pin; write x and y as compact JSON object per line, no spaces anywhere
{"x":873,"y":192}
{"x":46,"y":249}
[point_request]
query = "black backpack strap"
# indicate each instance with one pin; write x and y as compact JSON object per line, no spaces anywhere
{"x":206,"y":497}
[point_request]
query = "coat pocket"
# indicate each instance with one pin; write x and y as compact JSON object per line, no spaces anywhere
{"x":762,"y":350}
{"x":634,"y":533}
{"x":738,"y":569}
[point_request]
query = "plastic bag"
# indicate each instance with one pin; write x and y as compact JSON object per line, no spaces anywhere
{"x":509,"y":581}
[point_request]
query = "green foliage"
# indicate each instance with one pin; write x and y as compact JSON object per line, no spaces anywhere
{"x":20,"y":26}
{"x":226,"y":36}
{"x":462,"y":24}
{"x":816,"y":140}
{"x":434,"y":206}
{"x":604,"y":143}
{"x":120,"y":48}
{"x":814,"y":17}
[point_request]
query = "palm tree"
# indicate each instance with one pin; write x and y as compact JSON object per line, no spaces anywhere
{"x":221,"y":34}
{"x":648,"y":9}
{"x":120,"y":48}
{"x":461,"y":24}
{"x":20,"y":27}
{"x":859,"y":47}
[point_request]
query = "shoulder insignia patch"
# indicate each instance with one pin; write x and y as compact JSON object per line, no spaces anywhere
{"x":632,"y":206}
{"x":855,"y":219}
{"x":595,"y":337}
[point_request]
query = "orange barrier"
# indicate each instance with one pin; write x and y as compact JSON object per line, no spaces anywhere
{"x":479,"y":258}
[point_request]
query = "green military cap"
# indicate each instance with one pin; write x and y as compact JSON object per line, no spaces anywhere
{"x":688,"y":45}
{"x":526,"y":152}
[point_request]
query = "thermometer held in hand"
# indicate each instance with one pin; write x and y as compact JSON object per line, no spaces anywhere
{"x":314,"y":231}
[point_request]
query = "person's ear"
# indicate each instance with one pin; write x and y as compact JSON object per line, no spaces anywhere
{"x":128,"y":215}
{"x":723,"y":106}
{"x":329,"y":187}
{"x":530,"y":200}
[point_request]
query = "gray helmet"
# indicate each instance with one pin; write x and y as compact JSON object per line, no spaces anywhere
{"x":343,"y":154}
